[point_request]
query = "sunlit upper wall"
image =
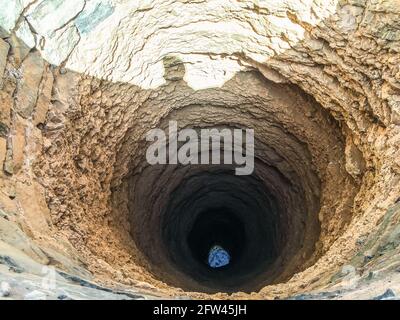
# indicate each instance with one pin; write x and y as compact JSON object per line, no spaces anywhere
{"x":125,"y":40}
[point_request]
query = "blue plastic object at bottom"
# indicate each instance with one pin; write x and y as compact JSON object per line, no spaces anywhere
{"x":218,"y":257}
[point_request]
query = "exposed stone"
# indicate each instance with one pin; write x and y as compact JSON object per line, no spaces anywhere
{"x":3,"y":151}
{"x":3,"y":33}
{"x":355,"y":163}
{"x":36,"y":210}
{"x":10,"y":263}
{"x":8,"y":165}
{"x":93,"y":14}
{"x":19,"y":50}
{"x":25,"y":34}
{"x":10,"y":11}
{"x":4,"y":47}
{"x":43,"y":101}
{"x":5,"y":289}
{"x":386,"y":295}
{"x":49,"y":16}
{"x":4,"y":130}
{"x":6,"y":104}
{"x":61,"y":44}
{"x":35,"y":295}
{"x":27,"y":91}
{"x":18,"y":144}
{"x":14,"y":236}
{"x":348,"y":270}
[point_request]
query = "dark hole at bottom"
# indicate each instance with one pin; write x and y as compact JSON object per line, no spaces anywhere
{"x":240,"y":215}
